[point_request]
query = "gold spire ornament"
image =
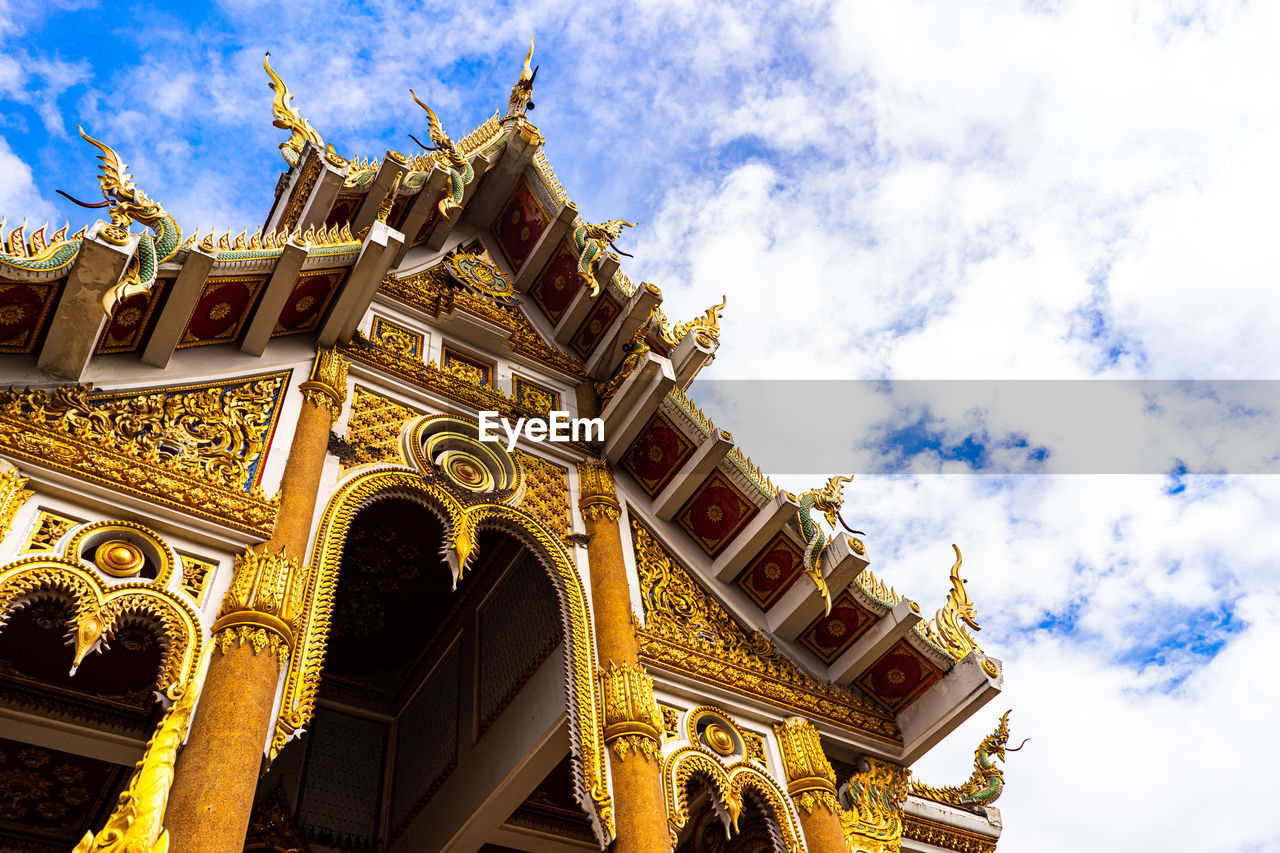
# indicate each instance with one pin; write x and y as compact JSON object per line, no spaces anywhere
{"x":287,"y":118}
{"x":948,"y":629}
{"x":522,"y":92}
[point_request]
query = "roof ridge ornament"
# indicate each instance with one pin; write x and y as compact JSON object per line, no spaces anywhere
{"x":828,"y":501}
{"x":521,"y":99}
{"x":288,"y":118}
{"x":458,"y":166}
{"x":986,"y":783}
{"x":592,"y":240}
{"x":948,"y":629}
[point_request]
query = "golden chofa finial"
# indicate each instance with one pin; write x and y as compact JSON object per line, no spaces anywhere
{"x":287,"y":118}
{"x":521,"y":100}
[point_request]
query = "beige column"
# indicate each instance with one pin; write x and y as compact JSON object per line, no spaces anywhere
{"x":217,"y":771}
{"x":812,"y":785}
{"x":633,"y":723}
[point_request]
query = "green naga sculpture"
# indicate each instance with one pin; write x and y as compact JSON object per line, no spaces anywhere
{"x":828,"y":501}
{"x":459,"y":167}
{"x":987,"y":781}
{"x":127,"y":204}
{"x":591,"y":241}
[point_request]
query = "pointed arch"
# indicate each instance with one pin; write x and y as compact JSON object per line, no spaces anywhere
{"x":370,"y":485}
{"x":99,"y":609}
{"x":730,"y":784}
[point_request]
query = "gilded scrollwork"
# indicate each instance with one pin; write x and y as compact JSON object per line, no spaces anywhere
{"x":304,"y":668}
{"x":98,"y":609}
{"x":215,"y":431}
{"x":689,"y":630}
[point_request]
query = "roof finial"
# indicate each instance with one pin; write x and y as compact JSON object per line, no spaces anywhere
{"x":288,"y":118}
{"x":522,"y":92}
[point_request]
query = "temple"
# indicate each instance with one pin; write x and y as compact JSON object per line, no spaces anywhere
{"x":265,"y":585}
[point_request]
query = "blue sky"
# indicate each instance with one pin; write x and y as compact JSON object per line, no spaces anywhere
{"x":915,"y":190}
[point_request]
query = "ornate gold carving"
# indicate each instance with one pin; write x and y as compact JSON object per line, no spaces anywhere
{"x":946,"y":837}
{"x":374,"y":427}
{"x":585,"y":715}
{"x":810,"y":779}
{"x":522,"y":91}
{"x":688,"y":630}
{"x":13,"y":494}
{"x":114,"y":234}
{"x":287,"y":118}
{"x":986,"y":783}
{"x":433,"y":378}
{"x":546,"y":492}
{"x":99,"y":609}
{"x":707,"y":326}
{"x":670,"y":721}
{"x":119,"y":558}
{"x":948,"y":629}
{"x":755,"y":747}
{"x":990,"y":668}
{"x":193,"y":450}
{"x":264,"y":603}
{"x":873,"y":823}
{"x":214,"y":431}
{"x":327,"y":386}
{"x":856,"y":546}
{"x":129,"y":534}
{"x":195,"y":577}
{"x":597,"y":496}
{"x":429,"y":291}
{"x":137,"y":824}
{"x":48,"y":529}
{"x":719,"y":731}
{"x":632,"y":721}
{"x":729,"y":785}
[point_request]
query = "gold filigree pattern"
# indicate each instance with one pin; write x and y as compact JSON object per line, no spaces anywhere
{"x":729,"y":786}
{"x":597,"y":496}
{"x":873,"y":823}
{"x":810,"y":779}
{"x":546,"y":492}
{"x":195,"y":577}
{"x":687,"y":630}
{"x":302,"y":679}
{"x":213,"y":431}
{"x":48,"y":529}
{"x":632,"y":720}
{"x":430,"y":292}
{"x":948,"y":629}
{"x":13,"y":494}
{"x":374,"y":427}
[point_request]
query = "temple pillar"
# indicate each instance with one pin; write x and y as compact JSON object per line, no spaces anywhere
{"x":217,"y":772}
{"x":632,"y":721}
{"x":812,"y":785}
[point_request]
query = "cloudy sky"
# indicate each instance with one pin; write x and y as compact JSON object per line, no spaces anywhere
{"x":1028,"y":190}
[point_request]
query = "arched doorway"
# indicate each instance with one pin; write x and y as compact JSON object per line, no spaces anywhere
{"x":440,"y":711}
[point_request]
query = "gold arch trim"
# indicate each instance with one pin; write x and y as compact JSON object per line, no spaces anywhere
{"x":100,"y":609}
{"x":462,"y":523}
{"x":729,"y":786}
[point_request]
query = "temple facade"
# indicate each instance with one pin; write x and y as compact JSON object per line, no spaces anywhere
{"x":276,"y":574}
